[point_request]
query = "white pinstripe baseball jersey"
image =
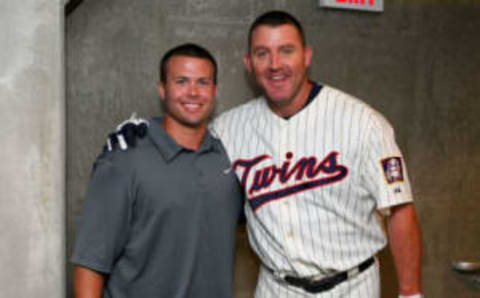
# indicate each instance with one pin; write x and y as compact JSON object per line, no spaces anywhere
{"x":314,"y":181}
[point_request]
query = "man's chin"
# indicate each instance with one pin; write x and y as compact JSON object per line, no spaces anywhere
{"x":195,"y":123}
{"x":275,"y":94}
{"x":276,"y":98}
{"x":192,"y":123}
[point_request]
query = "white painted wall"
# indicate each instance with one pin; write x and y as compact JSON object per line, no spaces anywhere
{"x":32,"y":154}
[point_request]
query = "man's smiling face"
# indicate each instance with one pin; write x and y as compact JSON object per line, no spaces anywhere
{"x":279,"y":61}
{"x":189,"y":91}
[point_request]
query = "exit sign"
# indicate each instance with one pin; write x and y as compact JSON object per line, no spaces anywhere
{"x":370,"y":5}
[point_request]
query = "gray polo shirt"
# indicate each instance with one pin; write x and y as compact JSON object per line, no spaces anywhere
{"x":160,"y":220}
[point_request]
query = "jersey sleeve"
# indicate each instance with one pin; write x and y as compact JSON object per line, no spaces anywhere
{"x":215,"y":127}
{"x":104,"y":225}
{"x":385,"y":173}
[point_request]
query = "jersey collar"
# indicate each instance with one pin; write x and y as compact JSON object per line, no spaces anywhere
{"x":313,"y":93}
{"x":166,"y":145}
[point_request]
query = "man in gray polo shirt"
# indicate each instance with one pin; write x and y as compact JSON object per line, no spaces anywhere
{"x":159,"y":220}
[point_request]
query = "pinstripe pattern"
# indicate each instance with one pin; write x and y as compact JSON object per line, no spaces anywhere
{"x":332,"y":227}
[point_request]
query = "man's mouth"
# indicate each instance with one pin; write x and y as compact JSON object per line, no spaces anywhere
{"x":277,"y":78}
{"x":191,"y":107}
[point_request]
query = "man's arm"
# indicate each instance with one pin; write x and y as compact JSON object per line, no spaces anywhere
{"x":88,"y":283}
{"x":406,"y":246}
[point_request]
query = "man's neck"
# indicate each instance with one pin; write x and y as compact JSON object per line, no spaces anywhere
{"x":185,"y":136}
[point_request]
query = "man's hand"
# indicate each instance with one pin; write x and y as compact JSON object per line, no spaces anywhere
{"x":406,"y":246}
{"x":127,"y":133}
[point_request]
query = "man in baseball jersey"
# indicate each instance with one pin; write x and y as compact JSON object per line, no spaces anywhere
{"x":151,"y":226}
{"x":316,"y":165}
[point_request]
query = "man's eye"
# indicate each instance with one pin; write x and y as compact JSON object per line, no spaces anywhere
{"x":204,"y":82}
{"x":260,"y":53}
{"x":180,"y":81}
{"x":288,"y":50}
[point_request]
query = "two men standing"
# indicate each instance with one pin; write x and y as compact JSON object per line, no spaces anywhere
{"x":314,"y":164}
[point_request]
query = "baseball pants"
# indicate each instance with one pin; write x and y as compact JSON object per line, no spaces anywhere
{"x":364,"y":285}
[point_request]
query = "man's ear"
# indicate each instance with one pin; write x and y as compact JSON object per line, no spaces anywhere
{"x":161,"y":90}
{"x":308,"y":55}
{"x":248,"y":62}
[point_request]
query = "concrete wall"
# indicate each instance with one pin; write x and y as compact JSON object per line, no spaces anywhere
{"x":418,"y":63}
{"x":32,"y":175}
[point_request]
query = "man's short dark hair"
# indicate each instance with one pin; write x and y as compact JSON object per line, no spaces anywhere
{"x":276,"y":18}
{"x":189,"y":50}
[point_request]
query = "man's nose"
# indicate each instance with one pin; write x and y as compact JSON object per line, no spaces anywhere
{"x":193,"y":91}
{"x":274,"y":61}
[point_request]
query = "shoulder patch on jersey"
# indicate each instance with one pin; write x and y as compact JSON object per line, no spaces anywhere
{"x":393,"y":170}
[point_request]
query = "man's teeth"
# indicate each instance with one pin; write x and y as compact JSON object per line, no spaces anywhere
{"x":192,"y":105}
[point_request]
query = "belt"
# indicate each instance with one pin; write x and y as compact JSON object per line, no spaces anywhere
{"x":327,"y":283}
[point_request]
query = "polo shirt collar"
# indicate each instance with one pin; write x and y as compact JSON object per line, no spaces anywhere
{"x":167,"y":146}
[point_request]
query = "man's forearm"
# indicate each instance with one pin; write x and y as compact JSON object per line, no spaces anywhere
{"x":406,"y":245}
{"x":88,"y":283}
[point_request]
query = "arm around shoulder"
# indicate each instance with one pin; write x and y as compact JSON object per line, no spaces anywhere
{"x":406,"y":246}
{"x":88,"y":283}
